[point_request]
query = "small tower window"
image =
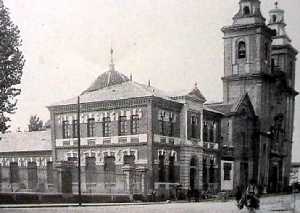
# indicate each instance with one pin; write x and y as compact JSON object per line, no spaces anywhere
{"x":274,"y":18}
{"x":246,"y":10}
{"x":242,"y":49}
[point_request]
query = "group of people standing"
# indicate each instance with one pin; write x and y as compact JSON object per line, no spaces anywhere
{"x":248,"y":197}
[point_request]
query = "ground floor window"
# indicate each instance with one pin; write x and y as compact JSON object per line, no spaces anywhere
{"x":14,"y":172}
{"x":161,"y":168}
{"x":171,"y":169}
{"x":90,"y":170}
{"x":32,"y":175}
{"x":109,"y":170}
{"x":50,"y":172}
{"x":227,"y":171}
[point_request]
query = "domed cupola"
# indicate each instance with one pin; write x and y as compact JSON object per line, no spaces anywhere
{"x":277,"y":24}
{"x":108,"y":78}
{"x":249,"y":13}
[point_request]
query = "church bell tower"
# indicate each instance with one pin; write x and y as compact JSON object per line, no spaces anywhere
{"x":247,"y":57}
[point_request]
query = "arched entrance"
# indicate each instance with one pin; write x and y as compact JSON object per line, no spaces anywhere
{"x":193,"y":173}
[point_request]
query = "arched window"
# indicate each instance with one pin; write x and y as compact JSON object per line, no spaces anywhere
{"x":171,"y":169}
{"x":109,"y":170}
{"x":241,"y":50}
{"x":274,"y":18}
{"x":90,"y":170}
{"x":161,"y":168}
{"x":246,"y":10}
{"x":205,"y":132}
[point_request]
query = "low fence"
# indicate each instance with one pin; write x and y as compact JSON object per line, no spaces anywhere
{"x":43,"y":180}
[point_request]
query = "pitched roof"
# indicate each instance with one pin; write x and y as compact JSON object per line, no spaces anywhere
{"x":26,"y":141}
{"x":125,"y":90}
{"x":220,"y":107}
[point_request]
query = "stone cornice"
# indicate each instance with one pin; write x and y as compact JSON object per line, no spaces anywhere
{"x":103,"y":105}
{"x":261,"y":76}
{"x":247,"y":27}
{"x":102,"y":146}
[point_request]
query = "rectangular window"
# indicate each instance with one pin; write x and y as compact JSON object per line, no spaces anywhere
{"x":122,"y":125}
{"x":134,"y":124}
{"x":32,"y":175}
{"x":14,"y":172}
{"x":194,"y":126}
{"x":65,"y":129}
{"x":74,"y":128}
{"x":109,"y":170}
{"x":227,"y":171}
{"x":106,"y":127}
{"x":91,"y":176}
{"x":50,"y":173}
{"x":161,"y":124}
{"x":170,"y":128}
{"x":90,"y":127}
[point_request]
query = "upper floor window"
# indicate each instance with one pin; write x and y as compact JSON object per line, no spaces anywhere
{"x":170,"y":127}
{"x":194,"y":126}
{"x":246,"y":10}
{"x":74,"y":127}
{"x":106,"y":127}
{"x":90,"y":127}
{"x":122,"y":125}
{"x":65,"y":129}
{"x":241,"y":50}
{"x":134,"y":123}
{"x":161,"y":125}
{"x":205,"y":132}
{"x":211,"y":133}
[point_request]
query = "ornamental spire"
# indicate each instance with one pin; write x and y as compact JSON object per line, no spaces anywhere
{"x":112,"y":65}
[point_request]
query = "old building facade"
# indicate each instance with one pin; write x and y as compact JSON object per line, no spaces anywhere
{"x":136,"y":138}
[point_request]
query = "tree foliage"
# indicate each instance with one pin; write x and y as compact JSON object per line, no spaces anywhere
{"x":35,"y":124}
{"x":11,"y":66}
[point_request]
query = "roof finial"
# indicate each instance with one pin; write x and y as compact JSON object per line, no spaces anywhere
{"x":149,"y":83}
{"x":112,"y":65}
{"x":130,"y":77}
{"x":196,"y":85}
{"x":276,"y":4}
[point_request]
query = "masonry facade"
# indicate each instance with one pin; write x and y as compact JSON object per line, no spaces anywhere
{"x":136,"y":138}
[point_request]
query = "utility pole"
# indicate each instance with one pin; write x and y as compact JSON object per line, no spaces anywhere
{"x":78,"y":148}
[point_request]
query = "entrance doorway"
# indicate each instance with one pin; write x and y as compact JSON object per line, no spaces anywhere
{"x":193,"y":174}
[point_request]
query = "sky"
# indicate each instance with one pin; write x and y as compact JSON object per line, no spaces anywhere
{"x":66,"y":44}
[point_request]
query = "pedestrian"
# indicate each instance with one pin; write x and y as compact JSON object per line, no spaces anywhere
{"x":251,"y":196}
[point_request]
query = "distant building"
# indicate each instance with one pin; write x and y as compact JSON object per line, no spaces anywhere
{"x":26,"y":161}
{"x":295,"y":173}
